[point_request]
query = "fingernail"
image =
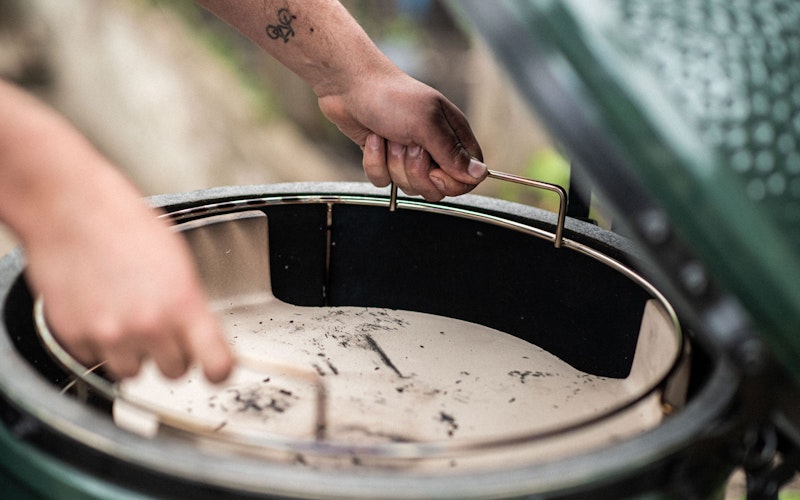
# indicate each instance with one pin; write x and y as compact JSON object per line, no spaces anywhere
{"x":373,"y":141}
{"x":476,"y":169}
{"x":413,"y":151}
{"x":438,"y":183}
{"x":396,"y":148}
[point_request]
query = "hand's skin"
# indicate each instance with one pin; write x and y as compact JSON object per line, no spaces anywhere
{"x":118,"y":285}
{"x":410,"y":133}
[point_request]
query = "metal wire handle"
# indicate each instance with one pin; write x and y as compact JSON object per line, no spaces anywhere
{"x":563,"y":198}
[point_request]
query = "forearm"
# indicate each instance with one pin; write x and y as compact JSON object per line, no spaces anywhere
{"x":316,"y":39}
{"x":120,"y":287}
{"x":365,"y":95}
{"x":48,"y":170}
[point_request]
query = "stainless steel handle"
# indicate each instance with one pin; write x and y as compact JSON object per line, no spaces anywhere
{"x":560,"y":191}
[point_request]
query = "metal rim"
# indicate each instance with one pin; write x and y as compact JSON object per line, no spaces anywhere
{"x":434,"y":449}
{"x":22,"y":385}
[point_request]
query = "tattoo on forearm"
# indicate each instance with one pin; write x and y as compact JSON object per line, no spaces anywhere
{"x":283,"y":30}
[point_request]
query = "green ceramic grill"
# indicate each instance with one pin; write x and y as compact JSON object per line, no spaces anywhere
{"x":694,"y":105}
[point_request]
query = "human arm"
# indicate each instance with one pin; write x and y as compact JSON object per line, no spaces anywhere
{"x":410,"y":133}
{"x":118,"y":285}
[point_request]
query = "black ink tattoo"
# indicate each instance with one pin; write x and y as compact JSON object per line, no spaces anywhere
{"x":283,"y":30}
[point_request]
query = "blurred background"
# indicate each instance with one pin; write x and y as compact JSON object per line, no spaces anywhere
{"x":180,"y":101}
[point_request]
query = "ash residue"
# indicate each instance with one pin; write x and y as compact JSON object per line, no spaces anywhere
{"x":368,"y":321}
{"x":259,"y":399}
{"x":354,"y":330}
{"x":523,"y":376}
{"x":331,"y":367}
{"x":373,"y":345}
{"x":449,"y":422}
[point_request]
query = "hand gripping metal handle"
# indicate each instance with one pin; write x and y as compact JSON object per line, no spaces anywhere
{"x":560,"y":191}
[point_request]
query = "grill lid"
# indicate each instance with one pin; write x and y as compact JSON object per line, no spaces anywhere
{"x":685,"y":115}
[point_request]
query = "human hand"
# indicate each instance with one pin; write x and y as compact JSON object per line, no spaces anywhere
{"x":410,"y":134}
{"x":119,"y":287}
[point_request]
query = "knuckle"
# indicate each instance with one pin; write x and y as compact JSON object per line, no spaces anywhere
{"x":124,"y":370}
{"x":173,"y":369}
{"x":148,"y":324}
{"x":459,"y":156}
{"x":109,"y":338}
{"x":104,"y":330}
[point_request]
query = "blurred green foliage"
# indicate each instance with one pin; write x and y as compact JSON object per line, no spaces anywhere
{"x":545,"y":165}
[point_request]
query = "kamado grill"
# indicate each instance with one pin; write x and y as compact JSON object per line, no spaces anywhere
{"x":471,"y":348}
{"x":356,"y":378}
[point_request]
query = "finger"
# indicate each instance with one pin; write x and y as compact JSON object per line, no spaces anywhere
{"x":170,"y":356}
{"x":453,"y":146}
{"x":462,"y":130}
{"x":447,"y":185}
{"x":78,"y":346}
{"x":122,"y":362}
{"x":83,"y":352}
{"x":93,"y":343}
{"x":418,"y":166}
{"x":70,"y":336}
{"x":207,"y":346}
{"x":396,"y":160}
{"x":374,"y":161}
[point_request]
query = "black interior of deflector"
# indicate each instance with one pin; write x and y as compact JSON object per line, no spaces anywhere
{"x":573,"y":306}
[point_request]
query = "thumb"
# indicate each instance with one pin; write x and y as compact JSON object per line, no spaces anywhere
{"x":453,"y":146}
